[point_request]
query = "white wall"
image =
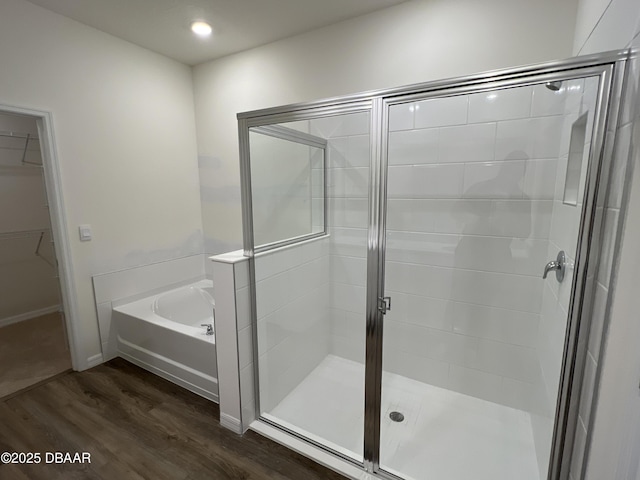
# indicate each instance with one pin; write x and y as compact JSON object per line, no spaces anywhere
{"x":604,"y":25}
{"x":124,"y":129}
{"x":615,"y":416}
{"x":413,"y":42}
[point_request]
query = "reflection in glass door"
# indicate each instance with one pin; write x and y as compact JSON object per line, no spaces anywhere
{"x":477,"y":189}
{"x":311,"y":275}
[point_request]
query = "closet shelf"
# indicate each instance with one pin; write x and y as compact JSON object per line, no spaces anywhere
{"x":27,"y":137}
{"x":28,"y":169}
{"x":22,"y":136}
{"x":23,"y":234}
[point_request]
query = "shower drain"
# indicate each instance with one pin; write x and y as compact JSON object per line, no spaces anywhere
{"x":396,"y":416}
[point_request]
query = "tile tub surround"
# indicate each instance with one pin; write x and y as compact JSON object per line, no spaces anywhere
{"x":133,"y":283}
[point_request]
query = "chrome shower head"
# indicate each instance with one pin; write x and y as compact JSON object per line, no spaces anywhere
{"x":553,"y":86}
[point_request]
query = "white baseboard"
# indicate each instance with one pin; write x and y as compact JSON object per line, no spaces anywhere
{"x":28,"y":315}
{"x":109,"y":352}
{"x":232,"y":423}
{"x":95,"y":360}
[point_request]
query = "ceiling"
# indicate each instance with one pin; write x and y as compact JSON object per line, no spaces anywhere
{"x":164,"y":25}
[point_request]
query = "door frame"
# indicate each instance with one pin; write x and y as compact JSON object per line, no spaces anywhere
{"x":57,"y":213}
{"x":610,"y":66}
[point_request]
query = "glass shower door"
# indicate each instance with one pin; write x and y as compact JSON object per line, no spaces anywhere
{"x":309,"y":181}
{"x":483,"y":190}
{"x":429,"y":253}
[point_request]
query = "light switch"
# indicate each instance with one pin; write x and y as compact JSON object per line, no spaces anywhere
{"x":85,"y":233}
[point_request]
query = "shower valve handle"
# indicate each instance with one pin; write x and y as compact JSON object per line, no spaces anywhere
{"x":558,"y":265}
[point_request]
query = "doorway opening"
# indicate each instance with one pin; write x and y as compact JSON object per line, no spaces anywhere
{"x":34,"y":329}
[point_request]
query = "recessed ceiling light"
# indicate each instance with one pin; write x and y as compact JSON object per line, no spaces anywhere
{"x":202,"y":29}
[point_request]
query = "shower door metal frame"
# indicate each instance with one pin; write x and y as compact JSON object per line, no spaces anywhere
{"x":300,"y":138}
{"x":610,"y":74}
{"x":258,"y":119}
{"x":609,"y":66}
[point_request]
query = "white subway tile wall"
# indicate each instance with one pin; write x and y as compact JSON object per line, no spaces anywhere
{"x":608,"y":34}
{"x":474,"y":213}
{"x":500,"y":105}
{"x":286,"y":178}
{"x":292,"y":289}
{"x":441,"y":112}
{"x":134,"y":282}
{"x":563,"y":235}
{"x":471,"y":188}
{"x":348,"y":163}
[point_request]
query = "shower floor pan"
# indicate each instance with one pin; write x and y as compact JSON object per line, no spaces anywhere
{"x":444,"y":434}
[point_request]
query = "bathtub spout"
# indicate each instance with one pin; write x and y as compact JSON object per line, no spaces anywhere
{"x":209,"y":328}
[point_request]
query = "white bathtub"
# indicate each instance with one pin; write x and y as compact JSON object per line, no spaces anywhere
{"x":163,"y":334}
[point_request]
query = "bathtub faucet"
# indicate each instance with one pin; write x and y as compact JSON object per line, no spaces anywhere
{"x":209,"y":328}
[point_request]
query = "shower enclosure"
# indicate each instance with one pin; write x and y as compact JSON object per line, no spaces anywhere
{"x":397,"y":243}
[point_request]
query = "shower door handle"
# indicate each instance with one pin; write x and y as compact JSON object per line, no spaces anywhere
{"x":558,"y":265}
{"x":384,"y":304}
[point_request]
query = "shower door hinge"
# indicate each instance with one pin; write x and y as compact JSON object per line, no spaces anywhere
{"x":384,"y":304}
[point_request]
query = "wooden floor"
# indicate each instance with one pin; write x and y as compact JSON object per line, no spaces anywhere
{"x":31,"y":351}
{"x":136,"y":425}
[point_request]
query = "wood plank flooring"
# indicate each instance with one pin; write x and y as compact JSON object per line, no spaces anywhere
{"x":136,"y":426}
{"x":31,"y":351}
